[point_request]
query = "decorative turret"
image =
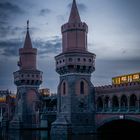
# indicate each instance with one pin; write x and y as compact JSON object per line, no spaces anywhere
{"x":75,"y":91}
{"x":28,"y":73}
{"x":74,"y":15}
{"x":75,"y":56}
{"x":27,"y":53}
{"x":27,"y":80}
{"x":74,"y":32}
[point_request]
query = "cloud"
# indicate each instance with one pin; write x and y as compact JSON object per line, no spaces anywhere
{"x":8,"y":11}
{"x":10,"y":47}
{"x":7,"y":31}
{"x":44,"y":12}
{"x":52,"y":46}
{"x":61,"y":18}
{"x":81,"y":7}
{"x":10,"y":8}
{"x":106,"y":69}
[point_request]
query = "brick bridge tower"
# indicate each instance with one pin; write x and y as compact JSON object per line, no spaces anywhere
{"x":76,"y":110}
{"x":28,"y":80}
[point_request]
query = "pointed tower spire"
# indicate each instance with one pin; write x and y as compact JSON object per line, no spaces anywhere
{"x":27,"y":43}
{"x":74,"y":15}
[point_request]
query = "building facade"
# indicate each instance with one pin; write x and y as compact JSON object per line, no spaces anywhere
{"x":7,"y":107}
{"x":81,"y":107}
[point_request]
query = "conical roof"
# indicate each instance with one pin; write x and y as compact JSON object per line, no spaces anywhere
{"x":74,"y":15}
{"x":27,"y":43}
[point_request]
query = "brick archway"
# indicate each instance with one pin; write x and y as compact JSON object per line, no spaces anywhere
{"x":115,"y":125}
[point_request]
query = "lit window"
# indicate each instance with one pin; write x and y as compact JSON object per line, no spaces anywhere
{"x":124,"y":78}
{"x":136,"y":77}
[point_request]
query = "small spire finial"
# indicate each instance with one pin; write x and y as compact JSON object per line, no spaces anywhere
{"x":27,"y":43}
{"x":27,"y":25}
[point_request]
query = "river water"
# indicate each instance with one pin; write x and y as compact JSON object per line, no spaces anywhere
{"x":44,"y":135}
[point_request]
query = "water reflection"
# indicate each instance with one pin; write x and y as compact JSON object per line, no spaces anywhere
{"x":41,"y":135}
{"x":44,"y":135}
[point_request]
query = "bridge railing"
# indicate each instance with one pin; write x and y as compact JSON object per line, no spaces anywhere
{"x":133,"y":108}
{"x":124,"y":109}
{"x":119,"y":109}
{"x":115,"y":109}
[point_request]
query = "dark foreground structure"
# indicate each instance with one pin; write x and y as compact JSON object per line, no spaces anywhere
{"x":81,"y":107}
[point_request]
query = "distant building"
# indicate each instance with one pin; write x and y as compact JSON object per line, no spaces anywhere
{"x":49,"y":99}
{"x":7,"y":105}
{"x":45,"y":92}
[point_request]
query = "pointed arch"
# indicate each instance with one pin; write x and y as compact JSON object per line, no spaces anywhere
{"x":82,"y":87}
{"x":64,"y":87}
{"x":99,"y":104}
{"x":115,"y":103}
{"x":124,"y":103}
{"x":106,"y":103}
{"x":133,"y":102}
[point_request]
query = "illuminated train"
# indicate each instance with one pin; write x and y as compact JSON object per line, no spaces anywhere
{"x":135,"y":77}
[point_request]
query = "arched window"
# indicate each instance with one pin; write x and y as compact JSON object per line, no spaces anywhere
{"x":99,"y":104}
{"x":82,"y":87}
{"x":64,"y":88}
{"x":124,"y":103}
{"x":115,"y":103}
{"x":106,"y":103}
{"x":133,"y":102}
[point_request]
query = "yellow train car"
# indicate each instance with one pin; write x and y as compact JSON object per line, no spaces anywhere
{"x":135,"y":77}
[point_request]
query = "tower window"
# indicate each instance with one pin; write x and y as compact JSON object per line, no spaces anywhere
{"x":81,"y":87}
{"x":64,"y":88}
{"x":70,"y":59}
{"x":78,"y":59}
{"x":84,"y":59}
{"x":90,"y":60}
{"x":32,"y":82}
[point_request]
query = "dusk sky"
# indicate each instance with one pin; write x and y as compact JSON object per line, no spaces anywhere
{"x":114,"y":36}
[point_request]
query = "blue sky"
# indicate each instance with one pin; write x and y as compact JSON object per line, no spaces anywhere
{"x":114,"y":36}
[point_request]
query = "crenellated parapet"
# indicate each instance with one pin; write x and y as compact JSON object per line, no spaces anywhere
{"x":82,"y":26}
{"x":26,"y":77}
{"x":115,"y":88}
{"x":75,"y":62}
